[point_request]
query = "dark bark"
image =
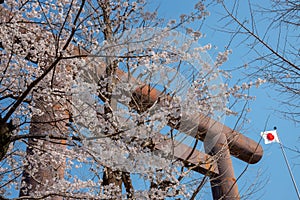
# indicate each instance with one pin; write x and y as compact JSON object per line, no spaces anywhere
{"x":5,"y":135}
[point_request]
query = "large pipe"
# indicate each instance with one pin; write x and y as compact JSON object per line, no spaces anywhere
{"x":240,"y":146}
{"x":223,"y":186}
{"x":191,"y":157}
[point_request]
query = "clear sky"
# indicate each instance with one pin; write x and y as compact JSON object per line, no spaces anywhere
{"x":271,"y":172}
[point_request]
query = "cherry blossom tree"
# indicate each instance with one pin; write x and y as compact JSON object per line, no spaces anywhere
{"x":78,"y":115}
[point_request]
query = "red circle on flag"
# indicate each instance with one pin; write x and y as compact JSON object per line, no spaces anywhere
{"x":270,"y":136}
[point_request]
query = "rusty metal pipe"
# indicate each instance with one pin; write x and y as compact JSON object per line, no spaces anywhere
{"x":223,"y":186}
{"x":240,"y":146}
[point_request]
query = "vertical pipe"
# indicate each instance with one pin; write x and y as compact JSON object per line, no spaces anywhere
{"x":45,"y":160}
{"x":44,"y":167}
{"x":224,"y":185}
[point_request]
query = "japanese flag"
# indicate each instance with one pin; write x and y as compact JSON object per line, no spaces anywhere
{"x":270,"y":136}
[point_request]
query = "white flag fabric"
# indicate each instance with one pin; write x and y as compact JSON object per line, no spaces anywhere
{"x":270,"y":136}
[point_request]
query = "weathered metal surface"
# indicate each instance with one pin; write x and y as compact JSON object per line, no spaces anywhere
{"x":224,"y":184}
{"x":240,"y":146}
{"x":191,"y":157}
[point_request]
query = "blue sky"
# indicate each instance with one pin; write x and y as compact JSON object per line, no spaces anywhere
{"x":271,"y":171}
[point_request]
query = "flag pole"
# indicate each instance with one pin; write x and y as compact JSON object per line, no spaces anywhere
{"x":289,"y":168}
